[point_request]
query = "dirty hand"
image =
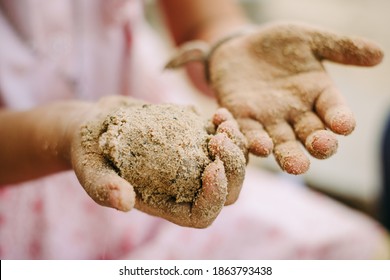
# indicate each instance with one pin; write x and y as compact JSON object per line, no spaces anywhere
{"x":101,"y":167}
{"x":273,"y":81}
{"x":214,"y":184}
{"x":95,"y":174}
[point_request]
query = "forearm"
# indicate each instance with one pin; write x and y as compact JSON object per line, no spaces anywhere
{"x":202,"y":19}
{"x":35,"y":143}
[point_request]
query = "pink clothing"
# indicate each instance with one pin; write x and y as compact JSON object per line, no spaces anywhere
{"x":63,"y":49}
{"x":84,"y":49}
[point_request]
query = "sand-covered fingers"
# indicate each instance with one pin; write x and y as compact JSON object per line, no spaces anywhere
{"x":259,"y":142}
{"x":221,"y":115}
{"x":344,"y":49}
{"x":212,"y":195}
{"x":310,"y":130}
{"x":96,"y":175}
{"x":197,"y":214}
{"x":287,"y":151}
{"x":103,"y":185}
{"x":222,"y":147}
{"x":225,"y":123}
{"x":332,"y":108}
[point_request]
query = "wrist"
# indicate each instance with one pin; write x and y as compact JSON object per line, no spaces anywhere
{"x":38,"y":140}
{"x":70,"y":116}
{"x":214,"y":30}
{"x":54,"y":127}
{"x":223,"y":39}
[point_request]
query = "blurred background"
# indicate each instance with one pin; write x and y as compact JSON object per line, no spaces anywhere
{"x":353,"y":174}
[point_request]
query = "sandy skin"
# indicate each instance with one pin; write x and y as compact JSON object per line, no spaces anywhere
{"x":180,"y":167}
{"x":272,"y":80}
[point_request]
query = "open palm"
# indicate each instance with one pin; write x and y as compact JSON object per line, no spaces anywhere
{"x":273,"y":82}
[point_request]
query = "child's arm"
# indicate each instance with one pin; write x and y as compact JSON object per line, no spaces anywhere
{"x":202,"y":19}
{"x":46,"y":140}
{"x":36,"y":142}
{"x":67,"y":135}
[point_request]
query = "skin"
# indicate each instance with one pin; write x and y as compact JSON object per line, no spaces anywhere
{"x":55,"y":144}
{"x":37,"y":141}
{"x":221,"y":179}
{"x":44,"y":140}
{"x":273,"y":82}
{"x":204,"y":20}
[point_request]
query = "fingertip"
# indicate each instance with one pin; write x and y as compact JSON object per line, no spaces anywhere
{"x":220,"y":146}
{"x":214,"y":182}
{"x":221,"y":115}
{"x":349,"y":50}
{"x":365,"y":52}
{"x":375,"y":54}
{"x":291,"y":159}
{"x":123,"y":200}
{"x":321,"y":144}
{"x":259,"y":144}
{"x":116,"y":193}
{"x":259,"y":141}
{"x":340,"y":120}
{"x":231,"y":129}
{"x":295,"y":165}
{"x":215,"y":144}
{"x":212,"y":196}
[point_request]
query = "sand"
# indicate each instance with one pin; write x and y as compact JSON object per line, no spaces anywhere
{"x":160,"y":149}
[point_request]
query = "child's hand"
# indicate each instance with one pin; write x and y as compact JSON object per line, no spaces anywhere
{"x":273,"y":82}
{"x":95,"y":174}
{"x":124,"y":160}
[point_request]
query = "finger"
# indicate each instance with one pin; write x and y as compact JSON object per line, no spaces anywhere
{"x":345,"y":49}
{"x":231,"y":129}
{"x":191,"y":51}
{"x":206,"y":207}
{"x":225,"y":123}
{"x":331,"y":107}
{"x":221,"y":115}
{"x":178,"y":213}
{"x":97,"y":176}
{"x":102,"y":184}
{"x":213,"y":194}
{"x":259,"y":142}
{"x":310,"y":130}
{"x":220,"y":146}
{"x":288,"y":154}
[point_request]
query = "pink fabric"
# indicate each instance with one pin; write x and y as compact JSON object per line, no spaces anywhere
{"x":62,"y":49}
{"x":83,"y":49}
{"x":274,"y":218}
{"x":53,"y":218}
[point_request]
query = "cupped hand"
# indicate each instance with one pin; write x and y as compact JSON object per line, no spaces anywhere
{"x":274,"y":83}
{"x":105,"y":181}
{"x":96,"y":175}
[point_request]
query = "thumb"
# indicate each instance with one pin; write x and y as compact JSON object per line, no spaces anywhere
{"x":98,"y":177}
{"x":103,"y":185}
{"x":345,"y":49}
